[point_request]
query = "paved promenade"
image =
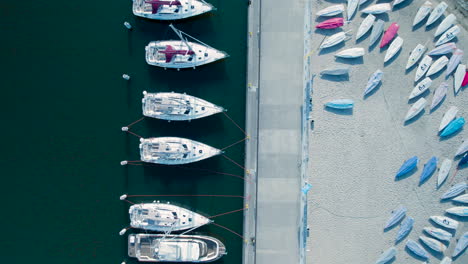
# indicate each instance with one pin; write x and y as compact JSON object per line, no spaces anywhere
{"x":275,"y":88}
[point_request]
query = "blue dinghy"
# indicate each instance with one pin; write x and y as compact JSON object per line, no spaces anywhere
{"x":340,"y":104}
{"x":397,"y":215}
{"x":429,"y":168}
{"x":453,"y":127}
{"x":463,"y":161}
{"x":405,"y":228}
{"x":407,"y":166}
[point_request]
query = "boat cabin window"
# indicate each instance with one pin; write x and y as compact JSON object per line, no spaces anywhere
{"x":203,"y":108}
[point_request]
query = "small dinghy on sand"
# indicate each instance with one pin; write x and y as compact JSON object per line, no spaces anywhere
{"x":373,"y":81}
{"x":396,"y":216}
{"x":428,"y":169}
{"x":415,"y":109}
{"x":405,"y":228}
{"x":389,"y":34}
{"x":422,"y":13}
{"x":448,"y":117}
{"x":377,"y":9}
{"x":438,"y":233}
{"x":448,"y":35}
{"x":445,"y":24}
{"x":436,"y":13}
{"x":331,"y":23}
{"x":417,"y":249}
{"x":458,"y":77}
{"x":377,"y":30}
{"x":444,"y":171}
{"x":331,"y":11}
{"x":388,"y":255}
{"x":453,"y":127}
{"x":415,"y":55}
{"x":420,"y":88}
{"x":333,"y":40}
{"x":461,"y":245}
{"x":438,"y":65}
{"x":366,"y":24}
{"x":457,"y":189}
{"x":444,"y":221}
{"x":352,"y":7}
{"x":393,"y":49}
{"x":463,"y":148}
{"x":454,"y":61}
{"x":439,"y":94}
{"x":423,"y":66}
{"x":443,"y":49}
{"x":351,"y":53}
{"x":458,"y":210}
{"x":407,"y":166}
{"x":338,"y":70}
{"x":433,"y":244}
{"x":340,"y":104}
{"x":461,"y":199}
{"x":446,"y":260}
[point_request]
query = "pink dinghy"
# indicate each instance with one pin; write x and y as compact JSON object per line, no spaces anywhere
{"x":331,"y":23}
{"x":389,"y":34}
{"x":465,"y":79}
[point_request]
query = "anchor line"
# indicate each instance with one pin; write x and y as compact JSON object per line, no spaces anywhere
{"x":130,"y":202}
{"x":233,"y":144}
{"x":136,"y":122}
{"x":243,"y":131}
{"x":226,"y":213}
{"x":128,"y":131}
{"x":187,"y":195}
{"x":228,"y":230}
{"x":240,"y":166}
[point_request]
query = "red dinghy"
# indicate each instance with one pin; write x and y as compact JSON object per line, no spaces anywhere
{"x":389,"y":34}
{"x":465,"y":79}
{"x":331,"y":23}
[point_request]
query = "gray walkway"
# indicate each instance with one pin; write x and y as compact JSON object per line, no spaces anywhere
{"x":275,"y":85}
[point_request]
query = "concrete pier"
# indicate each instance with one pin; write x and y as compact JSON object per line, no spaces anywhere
{"x":273,"y":225}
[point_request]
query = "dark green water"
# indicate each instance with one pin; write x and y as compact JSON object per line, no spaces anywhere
{"x":63,"y":104}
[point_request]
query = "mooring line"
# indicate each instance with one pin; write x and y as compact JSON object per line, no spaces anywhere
{"x":131,"y":124}
{"x":230,"y":212}
{"x":228,"y":230}
{"x":130,"y":202}
{"x":240,"y":166}
{"x":187,"y":195}
{"x":243,"y":131}
{"x":233,"y":144}
{"x":128,"y":131}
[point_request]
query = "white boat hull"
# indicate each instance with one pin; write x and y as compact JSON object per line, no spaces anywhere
{"x":448,"y":35}
{"x":423,"y":66}
{"x":437,"y":66}
{"x":436,"y":13}
{"x":458,"y":77}
{"x":331,"y":11}
{"x":439,"y":94}
{"x":377,"y":9}
{"x":415,"y":55}
{"x":351,"y":53}
{"x":448,"y":117}
{"x":454,"y":61}
{"x":366,"y":24}
{"x":444,"y":171}
{"x":445,"y":24}
{"x":438,"y":233}
{"x":394,"y":47}
{"x":463,"y":148}
{"x":434,"y":244}
{"x":171,"y":12}
{"x":416,"y":108}
{"x":446,"y":222}
{"x":377,"y":31}
{"x":422,"y":13}
{"x":333,"y":40}
{"x":461,"y":199}
{"x":420,"y":88}
{"x":458,"y":210}
{"x":443,"y":49}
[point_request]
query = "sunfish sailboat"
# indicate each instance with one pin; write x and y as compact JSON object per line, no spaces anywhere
{"x":180,"y":54}
{"x":170,"y":9}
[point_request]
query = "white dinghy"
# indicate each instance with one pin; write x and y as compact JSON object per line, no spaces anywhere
{"x":448,"y":117}
{"x":437,"y":66}
{"x":333,"y":40}
{"x":177,"y":107}
{"x":174,"y":150}
{"x":415,"y":55}
{"x":377,"y":9}
{"x":415,"y":109}
{"x":454,"y":61}
{"x":163,"y":217}
{"x":377,"y":31}
{"x":338,"y":70}
{"x":386,"y":256}
{"x":458,"y":77}
{"x":439,"y":94}
{"x":420,"y":88}
{"x":448,"y":35}
{"x":331,"y":11}
{"x":170,"y":9}
{"x":461,"y":199}
{"x":352,"y":7}
{"x":443,"y":49}
{"x":461,"y":245}
{"x":438,"y":233}
{"x":423,"y":67}
{"x":366,"y":24}
{"x":444,"y":171}
{"x":458,"y":210}
{"x":434,"y":244}
{"x":417,"y":249}
{"x":455,"y":190}
{"x":422,"y":13}
{"x":397,"y":2}
{"x":175,"y":248}
{"x":394,"y":47}
{"x":180,"y":54}
{"x":351,"y":53}
{"x":462,"y":148}
{"x":445,"y":24}
{"x":444,"y":221}
{"x":436,"y":13}
{"x":373,"y":81}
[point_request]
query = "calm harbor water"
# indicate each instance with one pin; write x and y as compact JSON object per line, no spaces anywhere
{"x":64,"y":102}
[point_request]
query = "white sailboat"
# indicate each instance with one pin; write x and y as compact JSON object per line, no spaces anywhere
{"x":394,"y":47}
{"x":415,"y":55}
{"x":436,"y":13}
{"x":423,"y":67}
{"x":422,"y":13}
{"x":366,"y":24}
{"x":170,"y":9}
{"x":458,"y":77}
{"x":445,"y":24}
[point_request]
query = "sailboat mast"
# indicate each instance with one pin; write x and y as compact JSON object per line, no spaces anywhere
{"x":179,"y":34}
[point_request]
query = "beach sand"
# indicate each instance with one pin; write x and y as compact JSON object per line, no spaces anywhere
{"x":354,"y":155}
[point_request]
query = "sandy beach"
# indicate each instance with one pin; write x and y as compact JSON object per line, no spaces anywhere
{"x":354,"y":155}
